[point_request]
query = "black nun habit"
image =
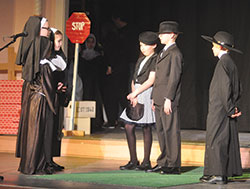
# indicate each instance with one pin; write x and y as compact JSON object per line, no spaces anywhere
{"x":35,"y":134}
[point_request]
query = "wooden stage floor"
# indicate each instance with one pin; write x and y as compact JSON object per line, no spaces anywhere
{"x":103,"y":157}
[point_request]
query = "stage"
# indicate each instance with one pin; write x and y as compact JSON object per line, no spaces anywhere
{"x":106,"y":151}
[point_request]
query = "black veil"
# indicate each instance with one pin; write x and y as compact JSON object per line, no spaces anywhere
{"x":32,"y":48}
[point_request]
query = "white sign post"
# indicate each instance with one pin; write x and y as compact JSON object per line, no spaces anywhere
{"x":77,"y":30}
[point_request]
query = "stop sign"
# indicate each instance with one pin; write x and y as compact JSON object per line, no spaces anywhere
{"x":78,"y":27}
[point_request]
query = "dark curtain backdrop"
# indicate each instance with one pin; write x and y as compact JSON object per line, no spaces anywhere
{"x":196,"y":17}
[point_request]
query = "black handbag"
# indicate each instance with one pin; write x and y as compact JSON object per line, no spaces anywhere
{"x":135,"y":113}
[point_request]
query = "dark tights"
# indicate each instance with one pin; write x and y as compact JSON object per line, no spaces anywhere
{"x":131,"y":139}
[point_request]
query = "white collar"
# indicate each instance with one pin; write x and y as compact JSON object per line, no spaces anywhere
{"x":222,"y":53}
{"x":167,"y":46}
{"x":55,"y":64}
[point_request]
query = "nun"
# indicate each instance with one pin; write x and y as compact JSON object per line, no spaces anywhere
{"x":91,"y":69}
{"x":63,"y":97}
{"x":35,"y":133}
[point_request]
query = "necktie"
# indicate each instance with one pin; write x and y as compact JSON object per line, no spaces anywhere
{"x":163,"y":50}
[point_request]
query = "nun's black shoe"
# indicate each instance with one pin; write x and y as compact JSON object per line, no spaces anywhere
{"x":49,"y":170}
{"x":171,"y":170}
{"x":144,"y":166}
{"x":130,"y":166}
{"x":56,"y":166}
{"x":215,"y":180}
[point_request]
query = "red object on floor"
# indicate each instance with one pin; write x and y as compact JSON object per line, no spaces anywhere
{"x":10,"y":105}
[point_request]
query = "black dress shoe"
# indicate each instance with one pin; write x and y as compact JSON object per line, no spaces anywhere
{"x":56,"y":166}
{"x":204,"y":177}
{"x":144,"y":166}
{"x":1,"y":178}
{"x":215,"y":180}
{"x":130,"y":166}
{"x":171,"y":170}
{"x":155,"y":169}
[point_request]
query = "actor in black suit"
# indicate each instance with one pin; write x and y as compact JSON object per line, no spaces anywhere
{"x":166,"y":95}
{"x":222,"y":156}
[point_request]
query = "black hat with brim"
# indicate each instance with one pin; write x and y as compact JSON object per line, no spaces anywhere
{"x":169,"y":27}
{"x":223,"y":39}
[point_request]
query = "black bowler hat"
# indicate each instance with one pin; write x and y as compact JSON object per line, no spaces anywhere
{"x":169,"y":27}
{"x":149,"y":38}
{"x":223,"y":39}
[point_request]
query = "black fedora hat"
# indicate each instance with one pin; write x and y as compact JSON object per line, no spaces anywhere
{"x":149,"y":38}
{"x":223,"y":39}
{"x":169,"y":27}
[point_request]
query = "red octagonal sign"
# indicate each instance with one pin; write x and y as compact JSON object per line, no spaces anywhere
{"x":78,"y":27}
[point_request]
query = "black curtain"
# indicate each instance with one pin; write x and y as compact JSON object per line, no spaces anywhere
{"x":196,"y":17}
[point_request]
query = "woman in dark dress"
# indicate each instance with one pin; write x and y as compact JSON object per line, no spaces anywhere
{"x":35,"y":134}
{"x":91,"y":69}
{"x":141,"y":86}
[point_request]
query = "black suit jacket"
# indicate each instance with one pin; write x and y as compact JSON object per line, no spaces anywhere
{"x":168,"y":76}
